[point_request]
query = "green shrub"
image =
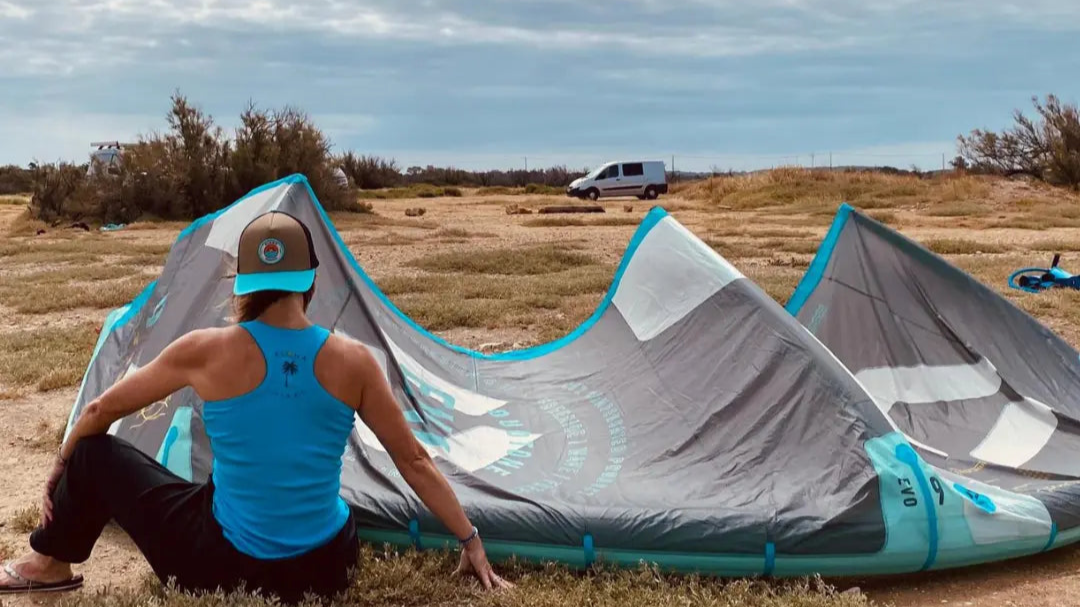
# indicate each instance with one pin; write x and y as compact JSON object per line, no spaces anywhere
{"x":53,"y":186}
{"x":1046,"y":148}
{"x":370,"y":172}
{"x":15,"y":180}
{"x":194,"y":169}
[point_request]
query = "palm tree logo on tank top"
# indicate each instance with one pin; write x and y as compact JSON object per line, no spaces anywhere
{"x":288,"y":368}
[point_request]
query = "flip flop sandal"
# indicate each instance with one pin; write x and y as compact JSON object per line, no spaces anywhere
{"x":26,"y":586}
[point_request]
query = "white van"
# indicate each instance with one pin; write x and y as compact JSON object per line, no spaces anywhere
{"x":643,"y":179}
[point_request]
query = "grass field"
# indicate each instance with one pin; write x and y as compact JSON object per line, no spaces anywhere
{"x":492,"y":281}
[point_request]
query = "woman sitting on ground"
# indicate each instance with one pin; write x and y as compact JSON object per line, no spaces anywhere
{"x":270,"y":517}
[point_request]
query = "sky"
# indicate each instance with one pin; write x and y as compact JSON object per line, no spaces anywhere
{"x":725,"y":84}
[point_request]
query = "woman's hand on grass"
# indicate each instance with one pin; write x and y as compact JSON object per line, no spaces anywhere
{"x":474,"y":560}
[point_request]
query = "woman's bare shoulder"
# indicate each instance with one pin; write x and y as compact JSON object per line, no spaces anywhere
{"x":344,"y":367}
{"x":203,"y":344}
{"x":352,"y":354}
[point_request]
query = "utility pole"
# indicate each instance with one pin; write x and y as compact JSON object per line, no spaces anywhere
{"x":673,"y":177}
{"x":830,"y":161}
{"x":811,"y":160}
{"x":943,"y":162}
{"x":526,"y":165}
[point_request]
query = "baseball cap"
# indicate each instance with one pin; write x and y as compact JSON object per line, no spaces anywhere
{"x":275,"y":254}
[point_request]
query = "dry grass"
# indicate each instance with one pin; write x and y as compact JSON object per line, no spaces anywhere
{"x":1033,"y":223}
{"x":778,"y":281}
{"x":345,"y":222}
{"x":7,"y":551}
{"x":414,"y":579}
{"x":499,"y":191}
{"x":84,"y":251}
{"x":66,"y":274}
{"x":15,"y":199}
{"x":440,"y":313}
{"x":962,"y":246}
{"x":455,"y":236}
{"x":808,"y":190}
{"x":73,"y":247}
{"x":25,"y":520}
{"x":889,"y":218}
{"x":384,"y":239}
{"x":416,"y":191}
{"x":150,"y":223}
{"x":1057,"y":245}
{"x":957,"y":209}
{"x":542,"y":259}
{"x":142,"y":260}
{"x":780,"y":233}
{"x":742,"y":247}
{"x":576,"y":281}
{"x":553,"y":301}
{"x":46,"y":358}
{"x":46,"y":437}
{"x":558,"y":222}
{"x":24,"y":224}
{"x":47,"y":297}
{"x":790,"y":245}
{"x":730,"y":228}
{"x":735,"y":249}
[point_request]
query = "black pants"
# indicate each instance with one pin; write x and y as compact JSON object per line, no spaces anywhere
{"x":172,"y":523}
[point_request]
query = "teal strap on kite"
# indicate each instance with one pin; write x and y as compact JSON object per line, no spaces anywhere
{"x":414,"y":532}
{"x":1053,"y":537}
{"x":770,"y":558}
{"x":590,"y":553}
{"x":907,"y":455}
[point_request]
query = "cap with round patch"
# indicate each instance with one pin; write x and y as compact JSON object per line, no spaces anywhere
{"x":275,"y":254}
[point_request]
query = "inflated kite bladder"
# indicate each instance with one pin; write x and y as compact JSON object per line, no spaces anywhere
{"x":1036,"y":280}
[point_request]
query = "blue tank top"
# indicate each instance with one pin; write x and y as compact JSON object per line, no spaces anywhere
{"x":278,"y":449}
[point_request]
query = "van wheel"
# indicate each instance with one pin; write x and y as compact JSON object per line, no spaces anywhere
{"x":651,"y":193}
{"x":592,"y":194}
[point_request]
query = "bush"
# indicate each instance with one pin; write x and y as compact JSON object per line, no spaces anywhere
{"x":370,"y":172}
{"x":15,"y":180}
{"x":53,"y":185}
{"x":554,"y":177}
{"x":537,"y":188}
{"x":453,"y":192}
{"x":1048,"y":150}
{"x":194,"y":169}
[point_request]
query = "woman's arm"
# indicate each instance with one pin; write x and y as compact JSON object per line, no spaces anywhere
{"x":380,"y":411}
{"x":168,"y":372}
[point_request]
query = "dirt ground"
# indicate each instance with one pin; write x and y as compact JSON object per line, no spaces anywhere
{"x":1049,"y":579}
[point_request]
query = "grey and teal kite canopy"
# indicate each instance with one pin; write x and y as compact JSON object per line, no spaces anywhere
{"x":900,"y":417}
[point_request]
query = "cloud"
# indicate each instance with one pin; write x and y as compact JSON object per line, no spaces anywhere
{"x":551,"y":77}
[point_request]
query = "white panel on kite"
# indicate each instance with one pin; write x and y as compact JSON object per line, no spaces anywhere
{"x":225,"y":231}
{"x":1020,"y":432}
{"x":671,"y":273}
{"x":929,"y":384}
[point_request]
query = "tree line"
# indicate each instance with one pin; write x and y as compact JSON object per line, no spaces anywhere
{"x":194,"y":168}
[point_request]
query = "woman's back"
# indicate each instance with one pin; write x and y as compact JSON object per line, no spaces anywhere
{"x":278,"y":436}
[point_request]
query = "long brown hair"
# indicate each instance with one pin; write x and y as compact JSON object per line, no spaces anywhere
{"x":251,"y":306}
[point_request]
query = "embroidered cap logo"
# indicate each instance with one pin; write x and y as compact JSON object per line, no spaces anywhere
{"x":271,"y":251}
